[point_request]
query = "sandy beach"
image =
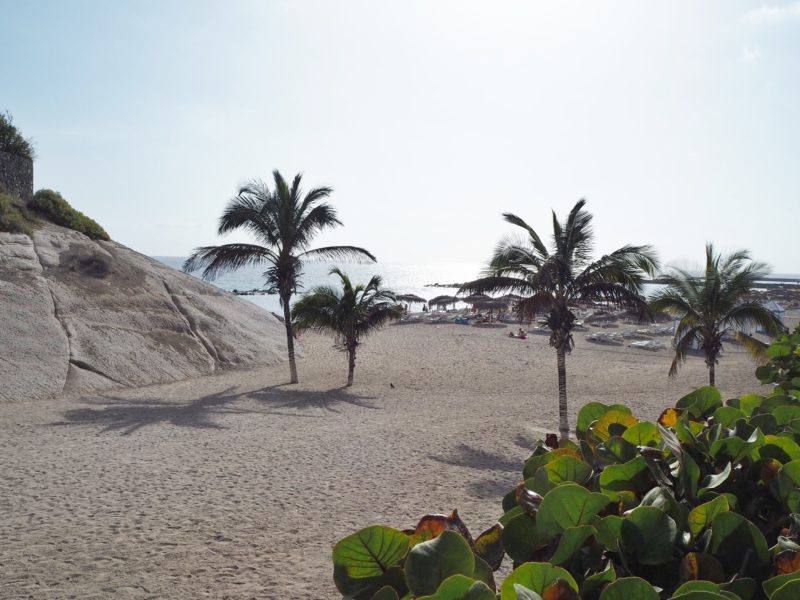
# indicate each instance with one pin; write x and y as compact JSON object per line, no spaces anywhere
{"x":238,"y":486}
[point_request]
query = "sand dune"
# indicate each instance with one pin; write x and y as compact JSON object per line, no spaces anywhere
{"x":237,"y":486}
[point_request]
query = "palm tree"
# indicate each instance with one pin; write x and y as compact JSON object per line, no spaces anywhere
{"x":284,"y":221}
{"x":557,"y":279}
{"x":713,"y":304}
{"x":352,"y":312}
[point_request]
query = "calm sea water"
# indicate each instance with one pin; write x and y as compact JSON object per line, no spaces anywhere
{"x":400,"y":278}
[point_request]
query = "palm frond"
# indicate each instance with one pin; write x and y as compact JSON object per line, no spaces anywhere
{"x":351,"y":253}
{"x":755,"y":347}
{"x":217,"y":259}
{"x":536,"y":241}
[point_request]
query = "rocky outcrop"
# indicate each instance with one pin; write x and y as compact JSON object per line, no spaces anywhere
{"x":79,"y":316}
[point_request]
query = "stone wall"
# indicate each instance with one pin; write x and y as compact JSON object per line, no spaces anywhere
{"x":16,"y":174}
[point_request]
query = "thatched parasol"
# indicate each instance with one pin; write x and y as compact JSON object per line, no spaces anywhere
{"x":411,"y":298}
{"x":491,"y":304}
{"x":511,"y":298}
{"x":473,"y":298}
{"x":443,"y":300}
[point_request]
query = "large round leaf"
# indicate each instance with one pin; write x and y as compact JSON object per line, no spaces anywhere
{"x":572,"y":540}
{"x":702,"y":402}
{"x":732,"y":536}
{"x":788,"y":591}
{"x":649,"y":535}
{"x":460,"y":587}
{"x":520,"y":537}
{"x":568,"y":505}
{"x":632,"y":476}
{"x":773,"y":584}
{"x":386,"y":593}
{"x":629,"y":588}
{"x":535,"y":576}
{"x":430,"y":563}
{"x":781,"y":448}
{"x":701,"y":516}
{"x":643,"y":434}
{"x":568,"y":469}
{"x":489,"y":546}
{"x":360,"y":559}
{"x":588,"y":414}
{"x":601,"y":429}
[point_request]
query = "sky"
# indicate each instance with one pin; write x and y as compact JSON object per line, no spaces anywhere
{"x":679,"y":122}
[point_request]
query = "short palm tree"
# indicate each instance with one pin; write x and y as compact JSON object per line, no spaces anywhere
{"x":351,"y":312}
{"x":713,"y":304}
{"x":283,"y":221}
{"x":554,"y":280}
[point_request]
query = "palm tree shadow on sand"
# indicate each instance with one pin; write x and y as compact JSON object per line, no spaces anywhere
{"x":488,"y":487}
{"x":128,"y":415}
{"x":289,"y":397}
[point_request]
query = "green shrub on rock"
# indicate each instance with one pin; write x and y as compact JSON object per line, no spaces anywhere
{"x":703,"y":504}
{"x":13,"y":217}
{"x":53,"y":207}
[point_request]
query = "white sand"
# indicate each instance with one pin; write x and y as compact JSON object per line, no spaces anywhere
{"x":236,"y":486}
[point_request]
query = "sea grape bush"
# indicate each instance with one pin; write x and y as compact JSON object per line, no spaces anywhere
{"x":703,"y":504}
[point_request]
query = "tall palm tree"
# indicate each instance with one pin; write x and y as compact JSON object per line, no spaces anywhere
{"x":713,"y":304}
{"x":556,"y":279}
{"x":352,"y":312}
{"x":283,"y":221}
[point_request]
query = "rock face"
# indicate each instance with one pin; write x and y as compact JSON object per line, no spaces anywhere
{"x":78,"y":316}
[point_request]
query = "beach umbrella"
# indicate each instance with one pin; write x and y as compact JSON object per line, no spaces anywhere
{"x":473,"y":298}
{"x":411,"y":298}
{"x":491,"y":304}
{"x":511,"y":298}
{"x":442,"y":300}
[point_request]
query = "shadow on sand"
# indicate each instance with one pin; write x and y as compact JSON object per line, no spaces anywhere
{"x":128,"y":415}
{"x":288,"y":397}
{"x":487,"y":487}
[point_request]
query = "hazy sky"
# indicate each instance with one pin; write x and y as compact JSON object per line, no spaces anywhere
{"x":678,"y":121}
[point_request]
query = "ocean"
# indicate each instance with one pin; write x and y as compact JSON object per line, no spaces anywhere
{"x":400,"y":278}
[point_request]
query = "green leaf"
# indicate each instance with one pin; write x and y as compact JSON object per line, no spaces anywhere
{"x":665,"y":502}
{"x":489,"y":546}
{"x":609,"y":531}
{"x":649,"y":535}
{"x":360,"y":560}
{"x":430,"y":563}
{"x":732,"y":450}
{"x":702,"y":402}
{"x":386,"y":593}
{"x":789,"y":485}
{"x":633,"y":476}
{"x":524,"y":593}
{"x":629,"y":588}
{"x":601,"y":429}
{"x":781,"y":448}
{"x":727,"y":415}
{"x":697,"y":586}
{"x":511,"y":514}
{"x":732,"y":536}
{"x":536,"y":576}
{"x":592,"y":584}
{"x":749,"y":402}
{"x":703,"y":595}
{"x":779,"y":350}
{"x":701,"y":516}
{"x":587,"y":415}
{"x":521,"y":537}
{"x":642,"y":434}
{"x":568,"y":469}
{"x":785,"y":414}
{"x":568,"y":505}
{"x":460,"y":587}
{"x":744,"y":587}
{"x":788,"y":591}
{"x":572,"y":540}
{"x":775,"y":583}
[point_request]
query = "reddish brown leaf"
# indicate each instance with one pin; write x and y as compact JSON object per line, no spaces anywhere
{"x":769,"y":470}
{"x":432,"y":526}
{"x":786,"y":562}
{"x":701,"y":566}
{"x":560,"y":590}
{"x":551,"y":440}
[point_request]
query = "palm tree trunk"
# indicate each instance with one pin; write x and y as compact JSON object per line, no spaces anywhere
{"x":351,"y":363}
{"x":711,"y":374}
{"x":289,"y":339}
{"x":563,"y":421}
